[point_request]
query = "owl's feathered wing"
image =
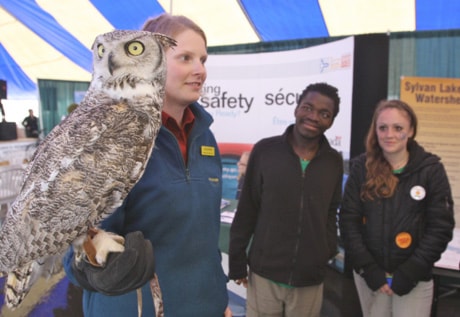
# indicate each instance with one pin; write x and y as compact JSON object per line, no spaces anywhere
{"x":78,"y":176}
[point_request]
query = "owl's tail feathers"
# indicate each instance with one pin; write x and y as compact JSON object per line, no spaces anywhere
{"x":17,"y":286}
{"x":20,"y":281}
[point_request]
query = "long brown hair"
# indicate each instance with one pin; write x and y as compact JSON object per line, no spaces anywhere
{"x":172,"y":25}
{"x":380,"y":180}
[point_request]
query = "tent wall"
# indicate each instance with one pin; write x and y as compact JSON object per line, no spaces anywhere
{"x":55,"y":97}
{"x":423,"y":54}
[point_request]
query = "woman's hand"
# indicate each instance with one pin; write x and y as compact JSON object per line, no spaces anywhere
{"x":228,"y":312}
{"x":386,"y":290}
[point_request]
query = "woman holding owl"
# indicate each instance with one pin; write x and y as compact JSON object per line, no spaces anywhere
{"x":176,"y":203}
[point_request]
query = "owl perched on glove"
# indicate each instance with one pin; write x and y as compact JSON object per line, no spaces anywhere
{"x":87,"y":165}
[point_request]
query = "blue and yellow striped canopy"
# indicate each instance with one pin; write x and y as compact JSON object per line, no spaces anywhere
{"x":51,"y":39}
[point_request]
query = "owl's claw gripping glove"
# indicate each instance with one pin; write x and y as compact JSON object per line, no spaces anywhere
{"x":123,"y":272}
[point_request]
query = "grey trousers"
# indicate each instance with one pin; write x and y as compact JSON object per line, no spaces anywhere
{"x":268,"y":299}
{"x":376,"y":304}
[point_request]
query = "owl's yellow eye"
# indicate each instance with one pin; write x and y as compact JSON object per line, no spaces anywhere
{"x":135,"y":48}
{"x":100,"y":50}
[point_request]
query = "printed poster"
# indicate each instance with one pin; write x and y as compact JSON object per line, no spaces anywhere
{"x":436,"y":102}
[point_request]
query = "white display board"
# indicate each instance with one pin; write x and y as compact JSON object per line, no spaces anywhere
{"x":253,"y":96}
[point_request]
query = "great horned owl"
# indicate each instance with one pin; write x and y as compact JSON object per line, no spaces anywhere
{"x":87,"y":164}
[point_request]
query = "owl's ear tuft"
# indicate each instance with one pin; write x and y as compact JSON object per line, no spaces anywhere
{"x":165,"y":40}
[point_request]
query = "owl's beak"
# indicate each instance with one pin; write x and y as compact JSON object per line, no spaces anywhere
{"x":112,"y":65}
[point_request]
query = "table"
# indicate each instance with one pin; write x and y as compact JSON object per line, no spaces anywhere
{"x":447,"y":278}
{"x":17,"y":151}
{"x":446,"y":272}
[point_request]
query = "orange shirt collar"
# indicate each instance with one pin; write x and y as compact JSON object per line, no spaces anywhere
{"x":187,"y":120}
{"x":181,"y":133}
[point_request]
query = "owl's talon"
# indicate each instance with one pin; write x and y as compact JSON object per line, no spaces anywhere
{"x":99,"y":243}
{"x":90,"y":250}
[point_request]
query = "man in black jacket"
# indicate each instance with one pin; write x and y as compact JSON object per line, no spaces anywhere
{"x":288,"y":207}
{"x":30,"y":123}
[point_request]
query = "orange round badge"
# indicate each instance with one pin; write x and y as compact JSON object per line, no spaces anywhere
{"x":403,"y":240}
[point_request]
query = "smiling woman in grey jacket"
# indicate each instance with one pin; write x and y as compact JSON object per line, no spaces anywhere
{"x":396,"y":217}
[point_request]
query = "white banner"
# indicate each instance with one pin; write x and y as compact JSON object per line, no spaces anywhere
{"x":253,"y":96}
